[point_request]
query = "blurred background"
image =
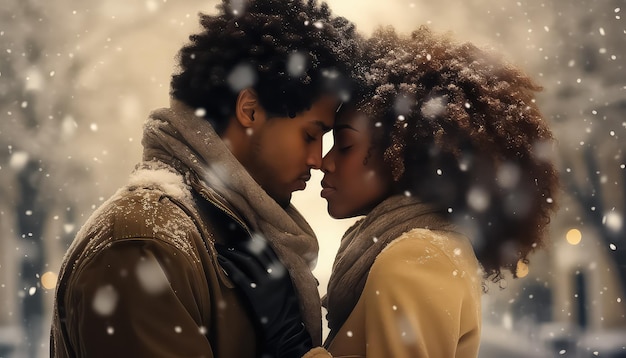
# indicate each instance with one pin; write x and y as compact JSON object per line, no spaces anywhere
{"x":78,"y":78}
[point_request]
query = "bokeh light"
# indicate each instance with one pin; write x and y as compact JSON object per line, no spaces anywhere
{"x":49,"y":280}
{"x":522,"y":269}
{"x":574,"y":236}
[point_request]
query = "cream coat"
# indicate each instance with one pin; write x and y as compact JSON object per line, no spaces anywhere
{"x":421,"y":299}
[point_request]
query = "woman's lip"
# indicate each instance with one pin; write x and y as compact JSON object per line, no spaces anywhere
{"x":326,"y":192}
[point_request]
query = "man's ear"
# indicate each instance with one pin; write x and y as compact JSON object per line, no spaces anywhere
{"x":246,"y":107}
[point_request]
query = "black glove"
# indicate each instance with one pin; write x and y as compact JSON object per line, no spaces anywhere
{"x":266,"y":285}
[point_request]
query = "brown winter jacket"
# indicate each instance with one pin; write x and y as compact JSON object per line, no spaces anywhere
{"x":149,"y":249}
{"x":141,"y":277}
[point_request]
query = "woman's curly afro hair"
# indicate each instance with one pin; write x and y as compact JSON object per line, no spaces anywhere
{"x":288,"y":51}
{"x":460,"y":129}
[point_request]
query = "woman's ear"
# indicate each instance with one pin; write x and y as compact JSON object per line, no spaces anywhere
{"x":246,"y":107}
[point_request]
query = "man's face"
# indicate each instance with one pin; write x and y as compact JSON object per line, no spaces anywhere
{"x":284,"y":150}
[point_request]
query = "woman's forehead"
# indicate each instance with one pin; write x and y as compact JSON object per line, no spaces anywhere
{"x":351,"y":116}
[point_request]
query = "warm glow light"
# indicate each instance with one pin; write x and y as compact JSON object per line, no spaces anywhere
{"x":522,"y":269}
{"x":49,"y":280}
{"x":574,"y":236}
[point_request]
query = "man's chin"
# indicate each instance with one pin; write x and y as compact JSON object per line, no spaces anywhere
{"x":282,"y":200}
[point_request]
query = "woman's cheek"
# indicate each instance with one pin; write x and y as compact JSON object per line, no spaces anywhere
{"x":369,"y":176}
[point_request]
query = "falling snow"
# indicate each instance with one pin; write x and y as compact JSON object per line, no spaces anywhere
{"x":434,"y":107}
{"x":296,"y":64}
{"x":67,"y":142}
{"x":151,"y":276}
{"x":105,"y":300}
{"x":242,"y":76}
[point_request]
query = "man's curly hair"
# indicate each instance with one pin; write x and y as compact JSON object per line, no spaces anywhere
{"x":289,"y":51}
{"x":460,"y":129}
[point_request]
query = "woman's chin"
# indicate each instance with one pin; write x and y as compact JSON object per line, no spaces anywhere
{"x":334,"y":212}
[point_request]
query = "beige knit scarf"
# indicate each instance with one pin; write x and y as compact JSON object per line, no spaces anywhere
{"x":362,"y":243}
{"x":176,"y":134}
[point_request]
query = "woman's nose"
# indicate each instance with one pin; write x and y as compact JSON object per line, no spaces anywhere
{"x":328,"y":162}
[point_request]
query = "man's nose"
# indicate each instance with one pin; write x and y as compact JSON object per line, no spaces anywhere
{"x":314,"y":159}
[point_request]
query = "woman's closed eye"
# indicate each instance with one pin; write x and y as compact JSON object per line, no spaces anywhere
{"x":344,"y":148}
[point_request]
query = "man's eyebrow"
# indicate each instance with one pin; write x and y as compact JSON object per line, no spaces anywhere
{"x":323,"y":126}
{"x":339,"y":127}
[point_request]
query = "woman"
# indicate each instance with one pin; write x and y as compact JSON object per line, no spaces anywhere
{"x":444,"y":152}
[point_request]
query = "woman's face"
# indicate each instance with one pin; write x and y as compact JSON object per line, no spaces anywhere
{"x":356,"y":179}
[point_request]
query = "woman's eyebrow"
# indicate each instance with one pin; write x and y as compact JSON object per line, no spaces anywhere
{"x":339,"y":127}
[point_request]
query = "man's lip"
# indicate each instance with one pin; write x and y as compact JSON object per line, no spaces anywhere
{"x":301,"y":181}
{"x":301,"y":184}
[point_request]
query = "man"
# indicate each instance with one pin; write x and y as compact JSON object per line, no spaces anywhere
{"x":256,"y":90}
